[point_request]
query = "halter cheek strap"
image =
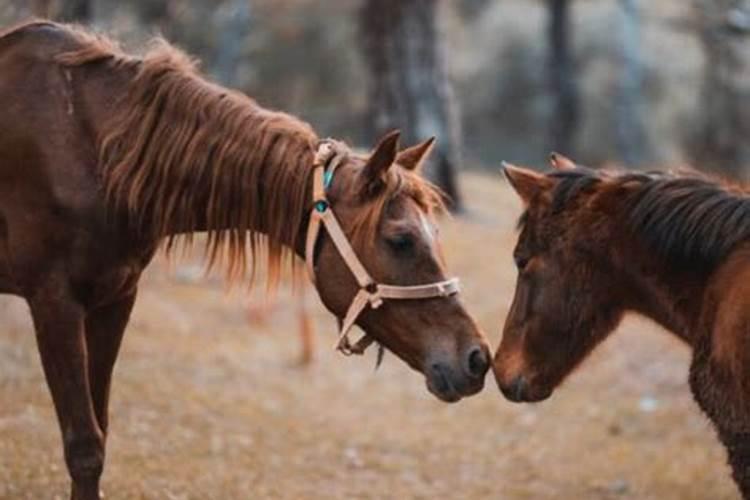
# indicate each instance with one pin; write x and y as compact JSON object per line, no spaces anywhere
{"x":370,"y":292}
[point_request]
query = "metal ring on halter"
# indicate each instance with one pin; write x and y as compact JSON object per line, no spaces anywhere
{"x":370,"y":293}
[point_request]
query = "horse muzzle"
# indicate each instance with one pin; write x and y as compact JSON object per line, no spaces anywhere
{"x":450,"y":383}
{"x":520,"y":390}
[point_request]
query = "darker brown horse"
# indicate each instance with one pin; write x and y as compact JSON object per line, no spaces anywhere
{"x":103,"y":156}
{"x":594,"y":246}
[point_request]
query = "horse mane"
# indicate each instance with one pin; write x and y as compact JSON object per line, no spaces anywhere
{"x":174,"y":136}
{"x":688,"y":219}
{"x":396,"y":181}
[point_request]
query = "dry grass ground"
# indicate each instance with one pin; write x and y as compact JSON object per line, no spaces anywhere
{"x":205,"y":407}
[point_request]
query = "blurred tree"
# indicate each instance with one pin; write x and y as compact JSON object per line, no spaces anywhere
{"x":630,"y":134}
{"x":562,"y":78}
{"x":472,"y":8}
{"x":69,"y":11}
{"x":409,"y":86}
{"x":233,"y":21}
{"x":41,"y":8}
{"x":78,"y":11}
{"x":214,"y":31}
{"x":722,"y":138}
{"x":154,"y":13}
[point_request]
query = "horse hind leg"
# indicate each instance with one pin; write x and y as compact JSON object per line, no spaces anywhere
{"x":306,"y":328}
{"x":59,"y":324}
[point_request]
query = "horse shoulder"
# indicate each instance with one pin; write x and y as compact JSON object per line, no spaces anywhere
{"x":48,"y":164}
{"x":729,"y":296}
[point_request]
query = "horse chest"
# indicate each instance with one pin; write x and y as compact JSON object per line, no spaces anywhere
{"x":110,"y":271}
{"x":719,"y":393}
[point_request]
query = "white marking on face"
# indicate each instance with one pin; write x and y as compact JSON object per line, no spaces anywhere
{"x":427,"y":229}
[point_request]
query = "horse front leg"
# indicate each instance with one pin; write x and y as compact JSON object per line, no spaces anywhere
{"x":104,"y":329}
{"x":59,"y":324}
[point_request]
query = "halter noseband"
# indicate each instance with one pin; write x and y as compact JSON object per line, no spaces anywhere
{"x":371,"y":293}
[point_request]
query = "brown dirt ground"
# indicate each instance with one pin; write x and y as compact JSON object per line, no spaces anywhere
{"x":207,"y":407}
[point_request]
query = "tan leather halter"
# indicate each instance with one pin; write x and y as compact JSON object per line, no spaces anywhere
{"x":371,"y":293}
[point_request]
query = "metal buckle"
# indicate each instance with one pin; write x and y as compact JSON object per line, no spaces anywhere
{"x":321,"y":206}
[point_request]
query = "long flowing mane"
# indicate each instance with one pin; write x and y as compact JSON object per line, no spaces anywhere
{"x":687,"y":219}
{"x":176,"y":142}
{"x":173,"y":137}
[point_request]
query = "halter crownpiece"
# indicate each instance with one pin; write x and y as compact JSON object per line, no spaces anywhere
{"x":371,"y":293}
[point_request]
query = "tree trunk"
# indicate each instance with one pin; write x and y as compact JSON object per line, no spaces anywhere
{"x":409,"y":87}
{"x":722,"y":137}
{"x":78,"y":11}
{"x":41,"y":8}
{"x":562,"y":78}
{"x":232,"y":20}
{"x":630,"y":133}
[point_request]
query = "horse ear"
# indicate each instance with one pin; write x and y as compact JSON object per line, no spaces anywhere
{"x":382,"y":157}
{"x":413,"y":158}
{"x":527,"y":183}
{"x":560,"y":162}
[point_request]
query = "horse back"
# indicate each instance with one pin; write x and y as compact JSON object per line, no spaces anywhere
{"x":43,"y":140}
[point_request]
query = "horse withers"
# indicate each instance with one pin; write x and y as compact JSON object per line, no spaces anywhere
{"x":595,"y":245}
{"x":104,"y":156}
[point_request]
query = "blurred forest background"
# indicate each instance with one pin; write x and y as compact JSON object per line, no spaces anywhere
{"x":655,"y":83}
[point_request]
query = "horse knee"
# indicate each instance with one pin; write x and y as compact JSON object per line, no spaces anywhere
{"x":84,"y":457}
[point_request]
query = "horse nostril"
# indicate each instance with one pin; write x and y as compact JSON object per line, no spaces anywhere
{"x":479,"y":362}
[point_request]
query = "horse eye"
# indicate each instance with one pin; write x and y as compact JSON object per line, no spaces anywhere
{"x":521,"y":262}
{"x":401,"y":242}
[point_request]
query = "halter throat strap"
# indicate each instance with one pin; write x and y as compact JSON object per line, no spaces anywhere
{"x":370,"y":293}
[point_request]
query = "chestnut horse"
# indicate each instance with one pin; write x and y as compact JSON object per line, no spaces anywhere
{"x":595,"y":245}
{"x":103,"y":156}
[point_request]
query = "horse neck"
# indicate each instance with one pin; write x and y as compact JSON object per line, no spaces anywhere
{"x":273,"y":206}
{"x":181,"y":155}
{"x":238,"y":186}
{"x":670,"y":297}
